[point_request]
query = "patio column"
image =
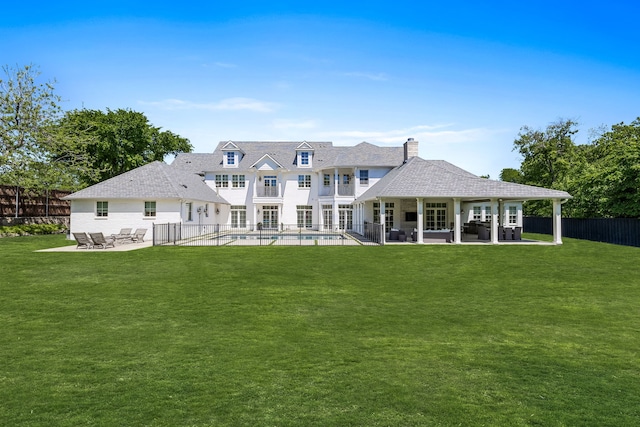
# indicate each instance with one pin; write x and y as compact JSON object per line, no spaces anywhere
{"x":456,"y":221}
{"x":383,"y":221}
{"x":495,"y":217}
{"x":420,"y":206}
{"x":256,"y":215}
{"x":557,"y":221}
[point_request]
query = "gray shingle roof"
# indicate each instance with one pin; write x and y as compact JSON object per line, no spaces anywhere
{"x":438,"y":178}
{"x":325,"y":155}
{"x":155,"y":180}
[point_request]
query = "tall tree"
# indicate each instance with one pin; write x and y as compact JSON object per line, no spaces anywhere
{"x":614,"y":178}
{"x":28,"y":109}
{"x":548,"y":157}
{"x":117,"y":141}
{"x":511,"y":175}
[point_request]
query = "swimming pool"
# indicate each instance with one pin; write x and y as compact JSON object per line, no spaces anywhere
{"x":296,"y":236}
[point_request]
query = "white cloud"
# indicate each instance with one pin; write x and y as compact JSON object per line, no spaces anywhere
{"x":394,"y":136}
{"x":225,"y":65}
{"x":379,"y":77}
{"x":229,"y":104}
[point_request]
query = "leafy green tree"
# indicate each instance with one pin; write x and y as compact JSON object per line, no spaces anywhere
{"x":117,"y":141}
{"x":28,"y":109}
{"x":548,"y":158}
{"x":613,"y":181}
{"x":511,"y":175}
{"x":547,"y":154}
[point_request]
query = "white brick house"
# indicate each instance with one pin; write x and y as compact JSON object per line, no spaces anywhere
{"x":311,"y":185}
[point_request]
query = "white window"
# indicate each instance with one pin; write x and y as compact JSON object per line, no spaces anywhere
{"x":436,"y":216}
{"x":305,"y":216}
{"x":304,"y":181}
{"x":376,"y":213}
{"x":326,"y":181}
{"x":388,"y":215}
{"x":327,"y":216}
{"x":238,"y":216}
{"x":231,"y":158}
{"x":513,"y":215}
{"x":149,"y":209}
{"x":364,"y":177}
{"x":345,"y":217}
{"x":222,"y":181}
{"x":477,"y":213}
{"x":304,"y":158}
{"x":487,"y":213}
{"x":102,"y":208}
{"x":189,"y":207}
{"x":237,"y":181}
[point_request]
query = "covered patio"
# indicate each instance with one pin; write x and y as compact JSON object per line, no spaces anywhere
{"x":436,"y":199}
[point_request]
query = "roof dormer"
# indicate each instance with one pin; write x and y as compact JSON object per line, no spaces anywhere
{"x":232,"y":155}
{"x":304,"y":155}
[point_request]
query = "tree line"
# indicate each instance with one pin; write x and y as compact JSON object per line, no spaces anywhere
{"x":44,"y":147}
{"x":603,"y":175}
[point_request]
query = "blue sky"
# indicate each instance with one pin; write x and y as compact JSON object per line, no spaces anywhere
{"x":462,"y":77}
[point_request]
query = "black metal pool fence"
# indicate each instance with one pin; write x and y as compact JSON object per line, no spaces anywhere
{"x":257,"y":235}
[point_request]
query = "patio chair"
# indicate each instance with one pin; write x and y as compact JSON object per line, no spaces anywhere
{"x":83,"y":241}
{"x":517,"y":233}
{"x":123,"y":236}
{"x":138,"y":236}
{"x":103,"y":242}
{"x":508,"y":233}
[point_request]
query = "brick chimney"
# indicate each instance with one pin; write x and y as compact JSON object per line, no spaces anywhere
{"x":410,"y":149}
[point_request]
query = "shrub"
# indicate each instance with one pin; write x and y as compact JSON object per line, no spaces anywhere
{"x":31,"y":229}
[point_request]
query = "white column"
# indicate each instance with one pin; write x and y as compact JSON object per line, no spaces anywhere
{"x":456,"y":222}
{"x":382,"y":221}
{"x":557,"y":221}
{"x":256,"y":215}
{"x":420,"y":206}
{"x":356,"y":182}
{"x":494,"y":220}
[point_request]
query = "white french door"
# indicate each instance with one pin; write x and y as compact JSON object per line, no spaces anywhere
{"x":270,"y":217}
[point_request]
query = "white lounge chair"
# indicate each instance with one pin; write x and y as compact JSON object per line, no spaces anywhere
{"x":83,"y":241}
{"x":103,"y":242}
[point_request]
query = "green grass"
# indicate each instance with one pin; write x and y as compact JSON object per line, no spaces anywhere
{"x":401,"y":335}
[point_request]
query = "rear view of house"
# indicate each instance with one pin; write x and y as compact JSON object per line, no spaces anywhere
{"x":308,"y":185}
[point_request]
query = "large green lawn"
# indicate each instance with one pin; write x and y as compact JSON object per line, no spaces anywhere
{"x":405,"y":335}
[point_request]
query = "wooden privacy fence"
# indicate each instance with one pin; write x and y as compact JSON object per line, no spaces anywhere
{"x":33,"y":203}
{"x":619,"y":231}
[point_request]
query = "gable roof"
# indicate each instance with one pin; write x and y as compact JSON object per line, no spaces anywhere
{"x":304,"y":146}
{"x":325,"y":155}
{"x":155,"y":180}
{"x":438,"y":178}
{"x":264,"y":159}
{"x":230,"y":146}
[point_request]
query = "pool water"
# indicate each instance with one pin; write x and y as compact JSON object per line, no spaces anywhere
{"x":301,"y":236}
